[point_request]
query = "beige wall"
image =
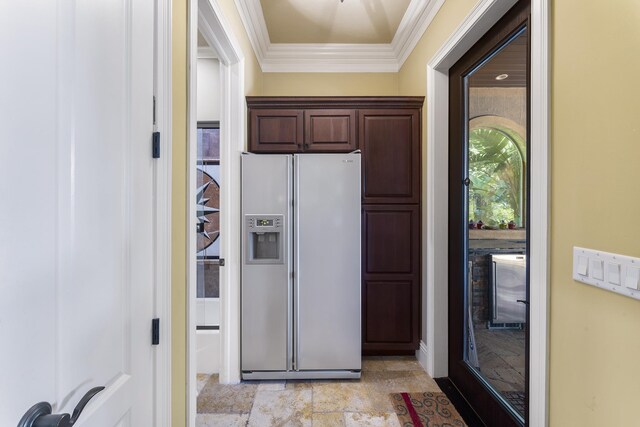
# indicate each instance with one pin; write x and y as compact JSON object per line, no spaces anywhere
{"x":412,"y":81}
{"x":595,"y":147}
{"x":330,"y":84}
{"x":178,"y":213}
{"x":253,"y":86}
{"x":252,"y":71}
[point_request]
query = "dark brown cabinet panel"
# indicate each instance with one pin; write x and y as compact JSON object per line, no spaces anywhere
{"x":384,"y":322}
{"x":276,"y":131}
{"x":390,"y":143}
{"x":391,"y":239}
{"x":330,"y":130}
{"x":391,"y":278}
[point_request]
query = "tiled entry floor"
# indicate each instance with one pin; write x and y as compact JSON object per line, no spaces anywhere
{"x":363,"y":402}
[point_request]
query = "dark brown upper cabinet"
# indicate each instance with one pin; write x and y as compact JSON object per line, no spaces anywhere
{"x":276,"y":131}
{"x":390,"y":143}
{"x":330,"y":130}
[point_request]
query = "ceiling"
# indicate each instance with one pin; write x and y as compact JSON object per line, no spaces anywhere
{"x":332,"y":21}
{"x":335,"y":36}
{"x":510,"y":60}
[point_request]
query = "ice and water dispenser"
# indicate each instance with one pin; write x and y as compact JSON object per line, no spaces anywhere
{"x":264,"y":239}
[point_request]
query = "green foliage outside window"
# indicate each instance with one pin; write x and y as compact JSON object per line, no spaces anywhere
{"x":496,"y":171}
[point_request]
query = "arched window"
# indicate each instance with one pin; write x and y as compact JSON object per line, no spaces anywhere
{"x":497,"y":174}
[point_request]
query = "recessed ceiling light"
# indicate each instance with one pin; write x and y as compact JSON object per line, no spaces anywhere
{"x":502,"y":76}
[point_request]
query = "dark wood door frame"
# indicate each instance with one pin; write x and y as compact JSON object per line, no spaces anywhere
{"x":463,"y":377}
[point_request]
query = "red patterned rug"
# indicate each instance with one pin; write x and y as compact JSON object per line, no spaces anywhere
{"x":426,"y":409}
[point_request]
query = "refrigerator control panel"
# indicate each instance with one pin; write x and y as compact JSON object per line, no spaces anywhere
{"x":264,"y":222}
{"x":264,"y":239}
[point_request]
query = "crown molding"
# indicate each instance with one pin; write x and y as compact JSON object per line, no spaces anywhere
{"x":414,"y":23}
{"x":337,"y":57}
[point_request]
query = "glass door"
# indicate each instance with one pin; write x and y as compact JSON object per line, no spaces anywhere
{"x":488,"y":211}
{"x":208,"y":238}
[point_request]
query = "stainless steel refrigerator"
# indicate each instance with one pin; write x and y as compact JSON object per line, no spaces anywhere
{"x":508,"y":289}
{"x":300,"y":266}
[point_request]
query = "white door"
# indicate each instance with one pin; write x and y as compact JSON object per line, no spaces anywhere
{"x":76,"y":212}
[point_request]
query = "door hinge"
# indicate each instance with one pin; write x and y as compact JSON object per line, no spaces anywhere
{"x":155,"y":141}
{"x":155,"y":331}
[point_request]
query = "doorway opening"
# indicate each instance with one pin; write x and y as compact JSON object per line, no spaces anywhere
{"x":488,"y":221}
{"x":216,"y":117}
{"x":484,"y":15}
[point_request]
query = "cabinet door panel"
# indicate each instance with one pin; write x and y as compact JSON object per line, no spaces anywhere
{"x":391,"y":278}
{"x":276,"y":131}
{"x":330,"y":130}
{"x":391,"y":239}
{"x":390,"y":143}
{"x":388,"y":314}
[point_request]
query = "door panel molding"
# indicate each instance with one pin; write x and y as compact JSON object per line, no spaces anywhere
{"x":484,"y":15}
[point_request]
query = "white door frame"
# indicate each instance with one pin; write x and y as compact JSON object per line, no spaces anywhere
{"x":162,"y":256}
{"x":483,"y":16}
{"x":207,"y":16}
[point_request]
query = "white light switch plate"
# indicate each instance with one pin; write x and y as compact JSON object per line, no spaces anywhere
{"x":612,"y":272}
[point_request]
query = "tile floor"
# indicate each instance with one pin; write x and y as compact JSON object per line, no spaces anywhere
{"x":501,"y":354}
{"x":316,"y":403}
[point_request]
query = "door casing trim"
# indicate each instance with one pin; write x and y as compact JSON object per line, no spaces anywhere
{"x":163,"y":205}
{"x":481,"y":18}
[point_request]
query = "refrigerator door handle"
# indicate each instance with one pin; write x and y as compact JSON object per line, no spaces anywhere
{"x":495,"y":290}
{"x":296,"y":265}
{"x":290,"y":278}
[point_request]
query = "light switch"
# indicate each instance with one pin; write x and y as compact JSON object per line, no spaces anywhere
{"x":583,"y":265}
{"x":613,"y":272}
{"x":597,"y":269}
{"x":608,"y":271}
{"x":632,"y":279}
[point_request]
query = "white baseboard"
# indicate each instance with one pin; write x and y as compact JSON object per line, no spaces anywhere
{"x":208,"y":348}
{"x":423,"y":356}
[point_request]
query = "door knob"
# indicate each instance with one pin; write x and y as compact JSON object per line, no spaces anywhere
{"x":39,"y":415}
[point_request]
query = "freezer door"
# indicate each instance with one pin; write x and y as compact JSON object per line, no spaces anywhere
{"x":327,"y":261}
{"x":267,"y":292}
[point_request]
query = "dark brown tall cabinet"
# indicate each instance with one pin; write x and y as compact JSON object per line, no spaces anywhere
{"x":388,"y":132}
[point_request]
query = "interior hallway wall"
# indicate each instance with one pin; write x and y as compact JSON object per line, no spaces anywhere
{"x":595,"y":344}
{"x":412,"y":81}
{"x":208,"y":104}
{"x":330,"y":84}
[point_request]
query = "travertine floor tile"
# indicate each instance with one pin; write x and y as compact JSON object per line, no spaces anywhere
{"x":318,"y":403}
{"x":372,"y":363}
{"x":271,"y":385}
{"x":281,"y":408}
{"x":202,"y":380}
{"x":402,"y":364}
{"x":389,"y":419}
{"x":226,"y":399}
{"x":341,"y":397}
{"x":328,"y":419}
{"x":222,"y":420}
